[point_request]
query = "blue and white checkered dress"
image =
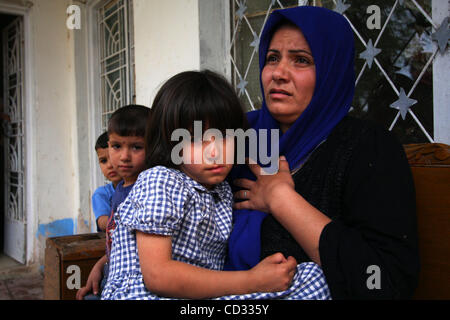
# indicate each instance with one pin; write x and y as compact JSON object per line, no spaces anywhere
{"x":165,"y":201}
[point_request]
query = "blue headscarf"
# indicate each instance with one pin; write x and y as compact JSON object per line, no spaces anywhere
{"x":330,"y":38}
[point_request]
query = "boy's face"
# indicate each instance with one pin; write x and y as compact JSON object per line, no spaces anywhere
{"x":106,"y":167}
{"x":127,"y":156}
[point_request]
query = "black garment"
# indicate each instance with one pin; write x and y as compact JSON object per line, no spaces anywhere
{"x":360,"y":178}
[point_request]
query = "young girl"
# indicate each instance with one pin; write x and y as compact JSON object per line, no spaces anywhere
{"x":172,"y":230}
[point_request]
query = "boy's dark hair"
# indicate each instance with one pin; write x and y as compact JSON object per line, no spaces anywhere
{"x":102,"y":141}
{"x":130,"y":120}
{"x":187,"y":97}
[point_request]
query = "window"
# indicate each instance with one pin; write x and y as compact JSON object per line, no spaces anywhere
{"x":116,"y":43}
{"x":405,"y":62}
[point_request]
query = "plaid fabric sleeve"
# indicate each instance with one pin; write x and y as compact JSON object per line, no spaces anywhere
{"x":155,"y":205}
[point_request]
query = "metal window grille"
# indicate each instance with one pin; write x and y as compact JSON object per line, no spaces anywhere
{"x":116,"y":57}
{"x":13,"y":128}
{"x":402,"y":69}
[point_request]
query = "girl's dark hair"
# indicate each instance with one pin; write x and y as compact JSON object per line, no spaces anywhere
{"x":102,"y":141}
{"x":130,"y":120}
{"x":187,"y":97}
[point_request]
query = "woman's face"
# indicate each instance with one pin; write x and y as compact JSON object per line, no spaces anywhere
{"x":289,"y":75}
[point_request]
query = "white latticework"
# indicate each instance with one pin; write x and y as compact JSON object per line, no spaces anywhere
{"x":116,"y":56}
{"x":429,"y":40}
{"x":13,"y":128}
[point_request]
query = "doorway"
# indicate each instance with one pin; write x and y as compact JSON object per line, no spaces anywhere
{"x":12,"y":152}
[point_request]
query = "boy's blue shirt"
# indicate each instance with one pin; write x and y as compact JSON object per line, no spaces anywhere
{"x":101,"y":201}
{"x":120,"y":195}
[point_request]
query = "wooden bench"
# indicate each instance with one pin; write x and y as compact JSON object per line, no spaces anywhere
{"x":430,"y":165}
{"x":68,"y":262}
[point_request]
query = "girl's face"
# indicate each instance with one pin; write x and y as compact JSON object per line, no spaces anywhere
{"x":209,"y":161}
{"x":289,"y":75}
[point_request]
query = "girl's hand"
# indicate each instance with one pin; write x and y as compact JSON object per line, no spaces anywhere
{"x":260,"y":194}
{"x":274,"y":273}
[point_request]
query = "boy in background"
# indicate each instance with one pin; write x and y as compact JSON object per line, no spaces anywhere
{"x":126,"y":132}
{"x":101,"y":199}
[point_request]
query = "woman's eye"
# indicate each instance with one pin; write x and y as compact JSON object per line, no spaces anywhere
{"x":138,"y":147}
{"x":272,"y":58}
{"x":115,"y":146}
{"x":302,"y":60}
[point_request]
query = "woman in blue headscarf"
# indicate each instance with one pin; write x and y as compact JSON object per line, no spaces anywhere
{"x":343,"y":196}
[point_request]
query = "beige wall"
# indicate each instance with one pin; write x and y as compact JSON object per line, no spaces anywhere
{"x":54,"y":126}
{"x":166,"y":42}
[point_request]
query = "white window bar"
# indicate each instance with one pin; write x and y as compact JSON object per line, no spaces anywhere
{"x":240,"y":77}
{"x":424,"y":13}
{"x":116,"y":57}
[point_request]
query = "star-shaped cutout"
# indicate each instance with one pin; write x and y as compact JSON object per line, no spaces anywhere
{"x":370,"y":53}
{"x":426,"y":43}
{"x":241,"y":86}
{"x":406,"y":71}
{"x":241,"y":11}
{"x":255,"y":42}
{"x":341,"y":7}
{"x":403,"y":103}
{"x":442,"y":35}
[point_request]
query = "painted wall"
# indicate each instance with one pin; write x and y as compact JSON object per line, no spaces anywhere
{"x":441,"y":81}
{"x":214,"y":21}
{"x":166,"y":42}
{"x":23,"y":3}
{"x":54,"y":127}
